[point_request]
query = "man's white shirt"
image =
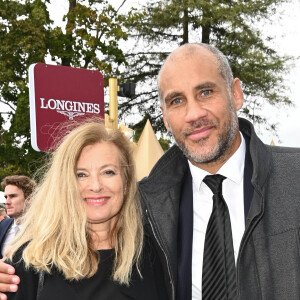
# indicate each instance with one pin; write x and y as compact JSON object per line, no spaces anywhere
{"x":233,"y":193}
{"x":9,"y":236}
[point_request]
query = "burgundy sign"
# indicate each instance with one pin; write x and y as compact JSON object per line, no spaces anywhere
{"x":58,"y":94}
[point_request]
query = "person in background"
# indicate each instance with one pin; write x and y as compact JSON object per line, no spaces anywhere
{"x":3,"y":212}
{"x":17,"y":190}
{"x":82,"y":236}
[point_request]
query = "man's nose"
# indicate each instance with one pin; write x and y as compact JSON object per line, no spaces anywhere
{"x":194,"y":110}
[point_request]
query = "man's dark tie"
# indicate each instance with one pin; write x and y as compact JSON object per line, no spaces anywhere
{"x":218,"y":275}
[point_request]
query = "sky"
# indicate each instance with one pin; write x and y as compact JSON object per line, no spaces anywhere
{"x":286,"y":32}
{"x":2,"y":199}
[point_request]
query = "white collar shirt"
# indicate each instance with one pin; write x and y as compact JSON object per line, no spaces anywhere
{"x":9,"y":236}
{"x":233,"y":193}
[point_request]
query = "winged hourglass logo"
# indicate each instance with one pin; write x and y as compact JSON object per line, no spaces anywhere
{"x":70,"y":114}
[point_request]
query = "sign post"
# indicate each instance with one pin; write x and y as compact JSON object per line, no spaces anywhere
{"x":58,"y":94}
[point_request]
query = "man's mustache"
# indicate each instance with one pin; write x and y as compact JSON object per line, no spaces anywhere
{"x":197,"y":125}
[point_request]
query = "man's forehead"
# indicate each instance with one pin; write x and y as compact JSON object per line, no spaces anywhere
{"x":179,"y":57}
{"x":11,"y":189}
{"x":189,"y":66}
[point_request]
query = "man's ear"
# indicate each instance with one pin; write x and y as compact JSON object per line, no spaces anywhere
{"x":165,"y":118}
{"x":238,"y":95}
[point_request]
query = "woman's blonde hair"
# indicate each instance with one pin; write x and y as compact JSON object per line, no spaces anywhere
{"x":55,"y":225}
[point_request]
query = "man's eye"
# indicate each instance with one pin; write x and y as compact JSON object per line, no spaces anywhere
{"x":176,"y":101}
{"x":206,"y":92}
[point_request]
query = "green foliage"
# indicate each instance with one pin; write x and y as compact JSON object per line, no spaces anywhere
{"x":89,"y":40}
{"x":139,"y":127}
{"x":23,"y":34}
{"x":165,"y":143}
{"x":232,"y":26}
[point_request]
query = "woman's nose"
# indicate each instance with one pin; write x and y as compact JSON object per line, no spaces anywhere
{"x":96,"y":184}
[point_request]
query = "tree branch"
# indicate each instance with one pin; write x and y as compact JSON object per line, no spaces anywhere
{"x":120,"y":6}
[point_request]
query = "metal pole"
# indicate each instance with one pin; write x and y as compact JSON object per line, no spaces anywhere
{"x":113,"y":102}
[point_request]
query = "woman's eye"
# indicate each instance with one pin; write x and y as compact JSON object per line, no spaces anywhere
{"x":80,"y":175}
{"x":109,"y":172}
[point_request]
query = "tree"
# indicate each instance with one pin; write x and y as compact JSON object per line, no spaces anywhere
{"x":160,"y":26}
{"x":89,"y":40}
{"x":23,"y":34}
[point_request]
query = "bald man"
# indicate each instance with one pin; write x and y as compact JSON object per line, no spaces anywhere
{"x":256,"y":255}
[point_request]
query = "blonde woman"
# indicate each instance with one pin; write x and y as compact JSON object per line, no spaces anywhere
{"x":82,"y":236}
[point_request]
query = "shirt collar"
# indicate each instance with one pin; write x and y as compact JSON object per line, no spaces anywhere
{"x":15,"y":224}
{"x":232,"y":169}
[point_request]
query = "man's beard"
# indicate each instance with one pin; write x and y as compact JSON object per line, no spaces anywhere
{"x":216,"y":152}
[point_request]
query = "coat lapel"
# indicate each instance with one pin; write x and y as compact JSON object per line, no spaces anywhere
{"x":185,"y":239}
